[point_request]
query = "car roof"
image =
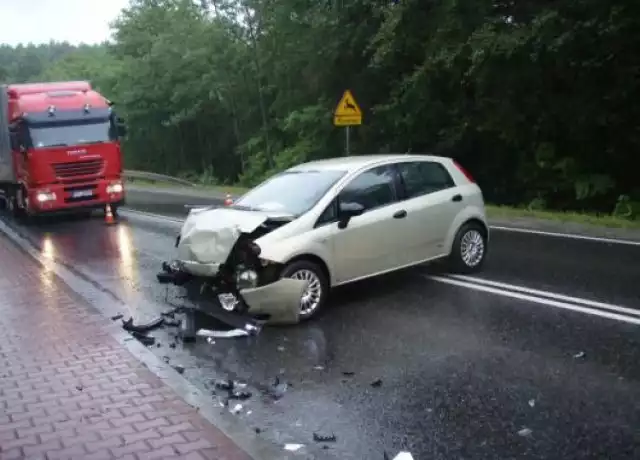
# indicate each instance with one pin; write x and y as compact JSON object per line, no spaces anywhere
{"x":354,"y":163}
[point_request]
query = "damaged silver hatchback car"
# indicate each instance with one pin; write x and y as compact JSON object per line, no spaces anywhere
{"x":328,"y":223}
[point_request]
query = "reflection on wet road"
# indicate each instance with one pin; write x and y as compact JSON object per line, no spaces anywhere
{"x":404,"y":362}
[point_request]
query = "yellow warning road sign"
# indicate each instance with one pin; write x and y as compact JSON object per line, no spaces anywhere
{"x":347,"y":112}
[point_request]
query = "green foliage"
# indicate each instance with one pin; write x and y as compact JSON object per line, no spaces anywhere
{"x":538,"y":99}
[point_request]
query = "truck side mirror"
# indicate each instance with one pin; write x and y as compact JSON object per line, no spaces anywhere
{"x":13,"y":138}
{"x":121,"y":128}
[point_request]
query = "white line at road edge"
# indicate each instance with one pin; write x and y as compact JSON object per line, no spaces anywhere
{"x":548,"y":295}
{"x":534,"y":299}
{"x":595,"y":239}
{"x":590,"y":307}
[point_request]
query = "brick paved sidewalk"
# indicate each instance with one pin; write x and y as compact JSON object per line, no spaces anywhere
{"x":69,"y":390}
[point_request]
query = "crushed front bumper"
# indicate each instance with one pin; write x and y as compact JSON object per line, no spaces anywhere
{"x":277,"y":302}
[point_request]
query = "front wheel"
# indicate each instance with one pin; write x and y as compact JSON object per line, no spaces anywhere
{"x":316,"y":293}
{"x":469,"y":249}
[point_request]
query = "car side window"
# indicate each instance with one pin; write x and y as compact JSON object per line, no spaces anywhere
{"x":372,"y":189}
{"x":330,"y":214}
{"x":424,"y":177}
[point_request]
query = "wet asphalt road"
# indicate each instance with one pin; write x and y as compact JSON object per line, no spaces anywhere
{"x":462,"y":371}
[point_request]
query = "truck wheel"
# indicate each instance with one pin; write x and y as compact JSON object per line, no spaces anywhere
{"x":315,"y":296}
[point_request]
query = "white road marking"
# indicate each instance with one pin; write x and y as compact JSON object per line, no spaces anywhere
{"x":150,"y":216}
{"x":596,"y":239}
{"x":590,"y":307}
{"x":534,"y":299}
{"x":547,"y":294}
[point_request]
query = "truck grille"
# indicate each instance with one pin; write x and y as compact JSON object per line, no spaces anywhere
{"x":78,"y":169}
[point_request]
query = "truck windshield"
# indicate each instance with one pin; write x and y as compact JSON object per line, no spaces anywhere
{"x":43,"y":136}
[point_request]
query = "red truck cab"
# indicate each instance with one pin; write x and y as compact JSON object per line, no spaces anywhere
{"x":59,"y":148}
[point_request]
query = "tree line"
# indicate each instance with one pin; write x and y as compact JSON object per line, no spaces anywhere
{"x":537,"y":98}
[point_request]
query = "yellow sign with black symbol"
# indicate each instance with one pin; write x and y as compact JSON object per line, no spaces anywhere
{"x":348,"y":111}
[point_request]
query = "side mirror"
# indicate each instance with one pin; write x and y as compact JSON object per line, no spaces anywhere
{"x":346,"y":211}
{"x":13,"y":138}
{"x":121,"y":127}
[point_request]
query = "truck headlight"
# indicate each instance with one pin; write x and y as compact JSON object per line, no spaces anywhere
{"x":43,"y":197}
{"x":116,"y":187}
{"x":246,"y":279}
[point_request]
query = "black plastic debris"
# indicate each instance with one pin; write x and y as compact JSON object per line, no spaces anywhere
{"x":79,"y":387}
{"x":317,"y":437}
{"x":240,"y":395}
{"x":143,"y":339}
{"x":129,"y":326}
{"x":117,"y":317}
{"x":226,"y":385}
{"x":377,"y":383}
{"x":172,"y":345}
{"x":257,"y":430}
{"x":348,"y":373}
{"x":179,"y":369}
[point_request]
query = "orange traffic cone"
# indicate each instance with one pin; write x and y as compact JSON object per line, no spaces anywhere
{"x":227,"y":200}
{"x":108,"y":215}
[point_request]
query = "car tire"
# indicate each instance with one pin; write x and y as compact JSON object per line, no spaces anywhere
{"x":469,"y":249}
{"x":319,"y":284}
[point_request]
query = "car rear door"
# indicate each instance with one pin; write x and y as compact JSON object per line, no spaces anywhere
{"x":369,"y":244}
{"x":432,"y":201}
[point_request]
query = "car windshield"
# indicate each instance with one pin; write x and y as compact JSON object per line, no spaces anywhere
{"x":43,"y":136}
{"x":291,"y":192}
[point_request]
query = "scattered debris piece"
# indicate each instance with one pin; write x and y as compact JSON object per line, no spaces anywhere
{"x":222,"y":334}
{"x":281,"y":348}
{"x":179,"y":369}
{"x":257,"y":430}
{"x":117,"y":317}
{"x":318,"y":368}
{"x":172,"y":345}
{"x":324,"y":438}
{"x":532,"y":402}
{"x":158,"y":345}
{"x":376,"y":383}
{"x":293,"y":447}
{"x":348,"y":373}
{"x":579,"y":355}
{"x":79,"y":387}
{"x":226,"y":385}
{"x":172,"y":322}
{"x":166,"y":359}
{"x":241,"y":395}
{"x":525,"y":432}
{"x":129,"y":326}
{"x":145,"y":340}
{"x":169,"y":314}
{"x":236,"y":409}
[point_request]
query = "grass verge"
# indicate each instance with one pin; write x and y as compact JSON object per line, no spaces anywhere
{"x":493,"y":211}
{"x":608,"y":221}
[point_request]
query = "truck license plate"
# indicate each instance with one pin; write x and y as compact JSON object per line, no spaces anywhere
{"x":81,"y":193}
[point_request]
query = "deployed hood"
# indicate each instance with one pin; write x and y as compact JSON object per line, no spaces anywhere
{"x":209,"y":234}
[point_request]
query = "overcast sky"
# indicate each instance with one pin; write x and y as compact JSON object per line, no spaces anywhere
{"x":39,"y":21}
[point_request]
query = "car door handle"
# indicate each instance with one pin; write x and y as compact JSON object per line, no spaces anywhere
{"x":400,"y":214}
{"x":457,"y":198}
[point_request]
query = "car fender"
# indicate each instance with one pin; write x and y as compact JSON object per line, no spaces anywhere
{"x":468,"y":213}
{"x":316,"y":242}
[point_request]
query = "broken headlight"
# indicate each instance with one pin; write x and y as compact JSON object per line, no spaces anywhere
{"x":246,"y":279}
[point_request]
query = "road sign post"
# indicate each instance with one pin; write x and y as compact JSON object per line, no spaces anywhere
{"x":347,"y":114}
